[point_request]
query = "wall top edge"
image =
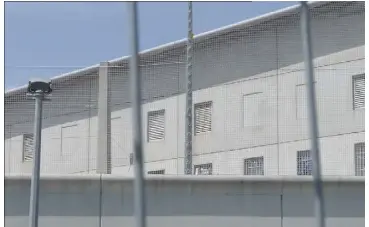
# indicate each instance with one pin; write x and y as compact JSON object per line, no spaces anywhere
{"x":184,"y":178}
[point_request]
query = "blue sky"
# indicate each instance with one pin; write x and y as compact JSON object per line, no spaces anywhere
{"x":45,"y":39}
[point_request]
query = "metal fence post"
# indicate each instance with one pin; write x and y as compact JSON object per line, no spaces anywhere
{"x":188,"y":120}
{"x":313,"y":121}
{"x":104,"y":122}
{"x":35,"y":181}
{"x":139,"y":183}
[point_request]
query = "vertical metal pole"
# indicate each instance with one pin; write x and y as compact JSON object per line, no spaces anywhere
{"x":313,"y":122}
{"x":104,"y":122}
{"x":188,"y":123}
{"x":35,"y":181}
{"x":139,"y":183}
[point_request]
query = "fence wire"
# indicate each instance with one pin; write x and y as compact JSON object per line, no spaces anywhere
{"x":249,"y":104}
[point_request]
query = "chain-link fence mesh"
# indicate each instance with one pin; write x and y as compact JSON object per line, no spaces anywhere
{"x":249,"y":104}
{"x":69,"y":126}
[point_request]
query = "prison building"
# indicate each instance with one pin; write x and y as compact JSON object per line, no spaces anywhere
{"x":249,"y":104}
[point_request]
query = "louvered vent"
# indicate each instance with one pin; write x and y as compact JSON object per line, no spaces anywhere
{"x":28,"y":141}
{"x":359,"y":91}
{"x":203,"y":120}
{"x":156,"y":125}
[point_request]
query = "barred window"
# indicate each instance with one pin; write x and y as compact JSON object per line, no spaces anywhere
{"x":304,"y":163}
{"x":203,"y":169}
{"x":203,"y":117}
{"x":162,"y":171}
{"x":28,"y":141}
{"x":360,"y":159}
{"x":254,"y":166}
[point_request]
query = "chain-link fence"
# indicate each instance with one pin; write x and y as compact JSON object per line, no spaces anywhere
{"x":250,"y":114}
{"x":68,"y":139}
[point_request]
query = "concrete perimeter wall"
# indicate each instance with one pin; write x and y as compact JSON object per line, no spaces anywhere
{"x":107,"y":201}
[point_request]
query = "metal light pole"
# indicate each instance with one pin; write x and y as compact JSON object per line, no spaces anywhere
{"x":37,"y":90}
{"x":139,"y":183}
{"x":188,"y":122}
{"x":313,"y":122}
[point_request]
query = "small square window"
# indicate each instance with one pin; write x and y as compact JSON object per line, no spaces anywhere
{"x":304,"y":163}
{"x":254,"y":166}
{"x":203,"y":169}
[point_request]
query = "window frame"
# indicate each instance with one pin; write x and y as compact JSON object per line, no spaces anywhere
{"x":307,"y":163}
{"x":245,"y":112}
{"x":156,"y":172}
{"x":359,"y":158}
{"x":62,"y":128}
{"x":200,"y":166}
{"x":200,"y":105}
{"x":305,"y":104}
{"x":354,"y":78}
{"x":31,"y":153}
{"x":150,"y":114}
{"x":256,"y":171}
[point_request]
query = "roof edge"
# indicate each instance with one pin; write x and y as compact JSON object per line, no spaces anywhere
{"x":248,"y":22}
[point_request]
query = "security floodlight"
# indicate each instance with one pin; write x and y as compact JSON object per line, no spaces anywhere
{"x":37,"y":89}
{"x":39,"y":86}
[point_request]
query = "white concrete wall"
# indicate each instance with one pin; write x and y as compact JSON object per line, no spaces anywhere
{"x":229,"y":142}
{"x":266,"y":60}
{"x":186,"y":201}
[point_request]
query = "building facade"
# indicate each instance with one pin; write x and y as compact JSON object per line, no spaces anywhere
{"x":250,"y":107}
